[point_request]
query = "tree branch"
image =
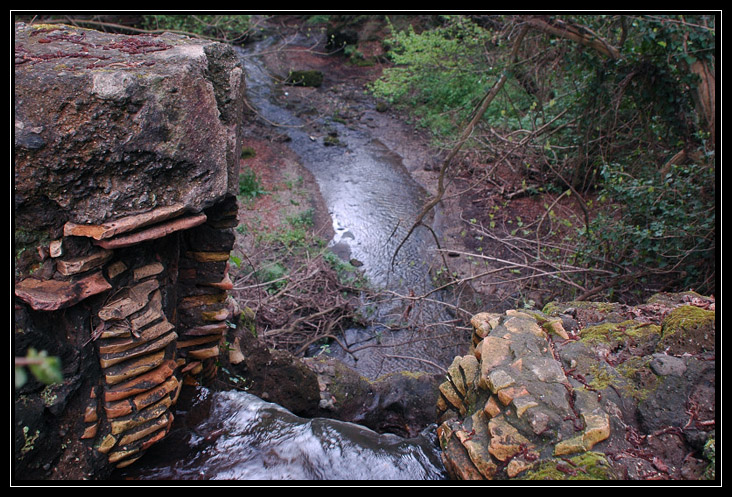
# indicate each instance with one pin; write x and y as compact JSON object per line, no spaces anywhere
{"x":485,"y":102}
{"x":580,"y":34}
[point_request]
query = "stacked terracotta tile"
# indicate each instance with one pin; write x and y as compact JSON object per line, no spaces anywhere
{"x":138,"y":366}
{"x":162,"y":309}
{"x":133,"y":337}
{"x":204,"y":308}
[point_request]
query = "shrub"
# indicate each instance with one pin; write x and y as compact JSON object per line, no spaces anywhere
{"x":249,"y":185}
{"x":232,"y":28}
{"x":659,"y":222}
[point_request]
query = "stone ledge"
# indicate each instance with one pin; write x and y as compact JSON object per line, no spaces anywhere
{"x":52,"y":295}
{"x":606,"y":399}
{"x":123,"y":225}
{"x":153,"y":233}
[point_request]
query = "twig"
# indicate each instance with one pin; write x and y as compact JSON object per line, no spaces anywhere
{"x":485,"y":102}
{"x":437,"y":366}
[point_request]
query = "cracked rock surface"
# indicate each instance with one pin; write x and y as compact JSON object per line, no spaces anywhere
{"x":584,"y":391}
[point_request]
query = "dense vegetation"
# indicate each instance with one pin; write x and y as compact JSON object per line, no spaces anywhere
{"x":615,"y":110}
{"x":615,"y":113}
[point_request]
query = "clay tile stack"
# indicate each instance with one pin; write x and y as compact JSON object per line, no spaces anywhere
{"x":204,"y":308}
{"x":162,"y":309}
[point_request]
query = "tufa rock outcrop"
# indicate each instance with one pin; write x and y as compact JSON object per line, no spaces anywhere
{"x":126,"y":165}
{"x":585,"y":391}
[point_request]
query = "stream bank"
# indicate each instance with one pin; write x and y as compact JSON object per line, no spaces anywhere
{"x":328,"y":153}
{"x":300,"y":169}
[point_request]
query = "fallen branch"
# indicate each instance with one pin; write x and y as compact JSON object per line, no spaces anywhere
{"x":580,"y":34}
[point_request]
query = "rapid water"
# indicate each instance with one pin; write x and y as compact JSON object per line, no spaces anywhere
{"x":242,"y":437}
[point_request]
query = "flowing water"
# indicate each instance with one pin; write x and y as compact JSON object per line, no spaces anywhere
{"x":372,"y":201}
{"x":237,"y":436}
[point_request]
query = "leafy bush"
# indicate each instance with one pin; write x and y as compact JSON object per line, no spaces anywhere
{"x":664,"y":223}
{"x":249,"y":185}
{"x":274,"y":273}
{"x":438,"y":73}
{"x":45,"y":368}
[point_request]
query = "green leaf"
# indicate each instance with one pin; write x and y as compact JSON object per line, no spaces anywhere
{"x":46,"y":369}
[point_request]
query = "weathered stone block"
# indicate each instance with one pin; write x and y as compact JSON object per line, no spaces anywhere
{"x":113,"y":125}
{"x":131,"y":301}
{"x":505,"y":440}
{"x":153,"y":269}
{"x":78,"y":265}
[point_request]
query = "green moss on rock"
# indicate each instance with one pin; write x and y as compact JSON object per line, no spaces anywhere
{"x":585,"y":466}
{"x":710,"y":454}
{"x":688,"y":329}
{"x":615,"y":334}
{"x":641,"y":381}
{"x":557,"y":308}
{"x":305,"y":78}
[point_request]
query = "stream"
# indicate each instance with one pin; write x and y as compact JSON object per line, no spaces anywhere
{"x":372,"y":200}
{"x":236,"y":436}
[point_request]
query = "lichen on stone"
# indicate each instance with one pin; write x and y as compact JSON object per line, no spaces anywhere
{"x":710,"y":454}
{"x":616,"y":334}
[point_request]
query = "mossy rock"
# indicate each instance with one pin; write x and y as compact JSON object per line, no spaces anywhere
{"x":585,"y":466}
{"x":557,"y":308}
{"x":688,"y":329}
{"x":617,"y":334}
{"x":710,"y":453}
{"x":310,"y":78}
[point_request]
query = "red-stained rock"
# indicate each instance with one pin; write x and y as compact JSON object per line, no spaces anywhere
{"x":225,"y":284}
{"x":125,"y":224}
{"x":207,"y":329}
{"x":78,"y":265}
{"x":51,"y":295}
{"x":131,"y":301}
{"x":107,"y":360}
{"x":141,"y":384}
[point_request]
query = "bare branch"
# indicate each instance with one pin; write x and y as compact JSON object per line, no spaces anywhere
{"x":580,"y":34}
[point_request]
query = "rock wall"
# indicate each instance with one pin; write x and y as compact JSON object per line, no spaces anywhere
{"x":585,"y":391}
{"x":126,"y":166}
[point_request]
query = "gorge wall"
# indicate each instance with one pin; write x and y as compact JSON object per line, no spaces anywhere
{"x":126,"y":167}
